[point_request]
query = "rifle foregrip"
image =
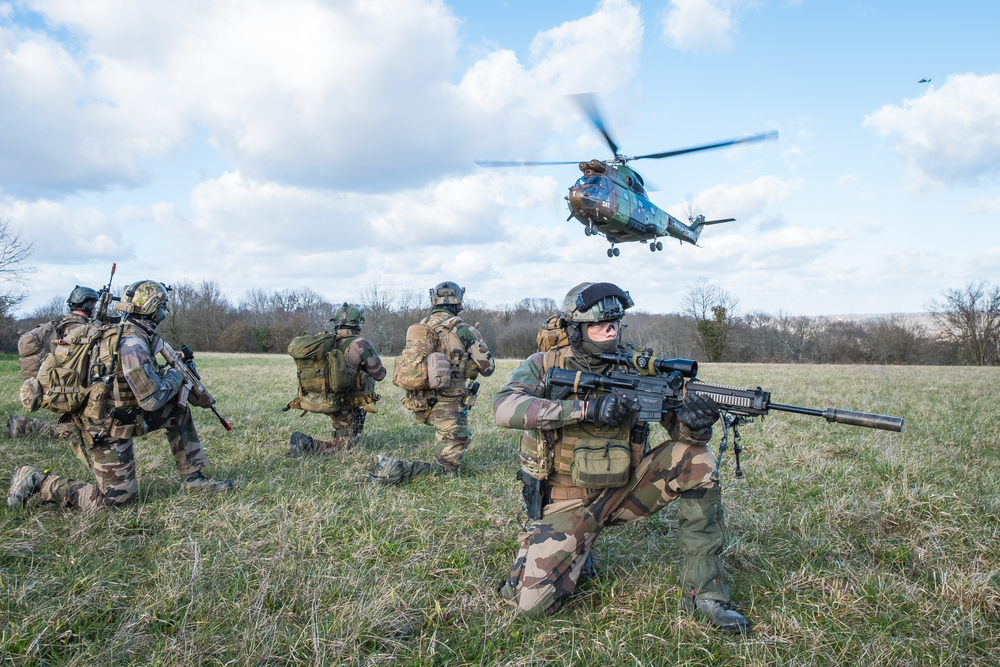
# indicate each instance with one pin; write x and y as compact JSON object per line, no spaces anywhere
{"x":865,"y":419}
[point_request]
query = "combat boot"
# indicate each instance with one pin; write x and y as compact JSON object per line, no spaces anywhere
{"x":196,"y":482}
{"x":16,"y":426}
{"x":299,"y":444}
{"x":387,"y":470}
{"x":25,"y":482}
{"x":701,"y":536}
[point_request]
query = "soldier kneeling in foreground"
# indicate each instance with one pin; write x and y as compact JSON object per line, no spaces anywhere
{"x":578,"y":500}
{"x":138,"y":399}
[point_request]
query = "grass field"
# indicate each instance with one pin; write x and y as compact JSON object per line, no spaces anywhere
{"x":847,"y":546}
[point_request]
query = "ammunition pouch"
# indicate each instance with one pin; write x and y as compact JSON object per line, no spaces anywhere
{"x":472,"y":395}
{"x":600,"y":463}
{"x":366,"y":400}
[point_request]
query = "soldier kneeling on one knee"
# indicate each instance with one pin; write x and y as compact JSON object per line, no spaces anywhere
{"x":575,"y":488}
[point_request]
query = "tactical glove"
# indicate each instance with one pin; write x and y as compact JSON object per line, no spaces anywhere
{"x":699,"y":412}
{"x":608,"y":410}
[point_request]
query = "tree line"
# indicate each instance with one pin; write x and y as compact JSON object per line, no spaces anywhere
{"x":709,"y":327}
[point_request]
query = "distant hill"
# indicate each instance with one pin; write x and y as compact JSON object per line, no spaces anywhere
{"x":925,"y":320}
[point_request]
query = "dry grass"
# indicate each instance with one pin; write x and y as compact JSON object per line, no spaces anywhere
{"x":847,"y":546}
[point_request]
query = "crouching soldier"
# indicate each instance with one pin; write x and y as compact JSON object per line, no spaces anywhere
{"x":441,"y":389}
{"x":575,"y":488}
{"x":364,"y":369}
{"x":130,"y":397}
{"x":33,"y":346}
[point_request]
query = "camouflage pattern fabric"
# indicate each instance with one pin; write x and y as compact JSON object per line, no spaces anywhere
{"x":114,"y":470}
{"x":554,"y":550}
{"x":361,"y":357}
{"x":358,"y":427}
{"x":450,"y":419}
{"x":471,"y":340}
{"x":152,"y":390}
{"x":189,"y":457}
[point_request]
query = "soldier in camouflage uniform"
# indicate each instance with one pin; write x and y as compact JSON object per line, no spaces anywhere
{"x":81,"y":302}
{"x":130,"y":397}
{"x":365,"y":368}
{"x":556,"y":548}
{"x":447,"y":409}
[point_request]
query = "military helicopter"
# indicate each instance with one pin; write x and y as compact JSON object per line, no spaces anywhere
{"x":610,"y":198}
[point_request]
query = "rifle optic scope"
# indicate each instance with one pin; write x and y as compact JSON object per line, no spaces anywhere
{"x":686,"y":367}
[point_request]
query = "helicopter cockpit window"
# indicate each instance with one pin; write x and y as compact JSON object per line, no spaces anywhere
{"x":589,"y":180}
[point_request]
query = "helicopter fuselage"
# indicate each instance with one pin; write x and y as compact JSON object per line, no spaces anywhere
{"x":610,"y":200}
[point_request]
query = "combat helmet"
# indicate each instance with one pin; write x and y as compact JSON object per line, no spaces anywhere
{"x":596,"y":302}
{"x":143,"y":298}
{"x":448,"y":294}
{"x":79,"y":297}
{"x":348,"y":316}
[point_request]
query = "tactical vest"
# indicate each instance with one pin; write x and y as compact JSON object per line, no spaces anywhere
{"x":561,"y":447}
{"x":109,"y":358}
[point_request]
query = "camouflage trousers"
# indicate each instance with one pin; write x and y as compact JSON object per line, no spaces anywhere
{"x":342,"y":423}
{"x":114,"y":462}
{"x":553,"y":552}
{"x":450,"y":419}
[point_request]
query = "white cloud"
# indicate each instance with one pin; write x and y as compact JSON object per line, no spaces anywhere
{"x":848,"y":179}
{"x":985,"y":206}
{"x":701,"y":25}
{"x":949,"y":135}
{"x":739,"y":201}
{"x":353,"y":95}
{"x":66,"y":236}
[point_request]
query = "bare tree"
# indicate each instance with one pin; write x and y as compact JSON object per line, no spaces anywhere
{"x":969,"y":318}
{"x":713,"y":310}
{"x":14,"y":253}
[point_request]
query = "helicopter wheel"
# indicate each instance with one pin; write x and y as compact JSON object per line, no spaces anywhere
{"x":652,"y":247}
{"x":587,"y":232}
{"x":616,"y":251}
{"x":611,"y":252}
{"x":659,"y":245}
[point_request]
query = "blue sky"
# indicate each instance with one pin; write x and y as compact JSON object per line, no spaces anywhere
{"x":331,"y":145}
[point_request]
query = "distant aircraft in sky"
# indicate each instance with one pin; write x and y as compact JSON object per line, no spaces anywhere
{"x":924,"y":81}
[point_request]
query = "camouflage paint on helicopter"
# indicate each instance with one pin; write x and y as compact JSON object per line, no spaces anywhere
{"x":610,"y":198}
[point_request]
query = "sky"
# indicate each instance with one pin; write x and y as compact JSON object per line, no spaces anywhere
{"x":331,"y":145}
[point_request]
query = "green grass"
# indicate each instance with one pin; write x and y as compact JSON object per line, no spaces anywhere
{"x":847,"y":546}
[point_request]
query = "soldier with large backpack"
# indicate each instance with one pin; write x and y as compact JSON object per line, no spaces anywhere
{"x":125,"y":395}
{"x":32,"y":348}
{"x":438,"y":368}
{"x":337,"y":375}
{"x":575,"y":488}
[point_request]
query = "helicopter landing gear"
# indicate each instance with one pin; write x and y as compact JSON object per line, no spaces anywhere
{"x":655,"y":245}
{"x":613,"y":252}
{"x":589,"y":229}
{"x":659,"y":246}
{"x":652,"y":247}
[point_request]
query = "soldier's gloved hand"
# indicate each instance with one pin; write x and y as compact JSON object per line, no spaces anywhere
{"x":699,"y":412}
{"x":607,"y":410}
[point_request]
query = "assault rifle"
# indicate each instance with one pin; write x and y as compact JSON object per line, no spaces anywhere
{"x":101,"y":312}
{"x":655,"y":386}
{"x":191,"y":387}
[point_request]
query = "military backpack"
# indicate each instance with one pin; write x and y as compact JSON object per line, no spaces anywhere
{"x":553,"y":334}
{"x":420,"y":366}
{"x":34,"y":345}
{"x":63,"y":379}
{"x":322,"y":373}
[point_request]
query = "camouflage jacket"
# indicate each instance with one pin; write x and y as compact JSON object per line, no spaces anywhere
{"x":152,"y":390}
{"x":522,"y":405}
{"x":362,"y":361}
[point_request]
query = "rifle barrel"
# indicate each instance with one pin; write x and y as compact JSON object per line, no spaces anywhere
{"x":865,"y":419}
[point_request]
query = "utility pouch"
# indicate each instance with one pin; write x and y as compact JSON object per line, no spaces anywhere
{"x":600,"y":463}
{"x":536,"y":494}
{"x":438,"y":370}
{"x":418,"y":403}
{"x":536,"y":455}
{"x":31,"y":394}
{"x":98,"y":397}
{"x":472,"y":396}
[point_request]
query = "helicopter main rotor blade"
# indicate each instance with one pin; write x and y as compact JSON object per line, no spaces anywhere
{"x":586,"y":103}
{"x":764,"y":136}
{"x":515,"y":163}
